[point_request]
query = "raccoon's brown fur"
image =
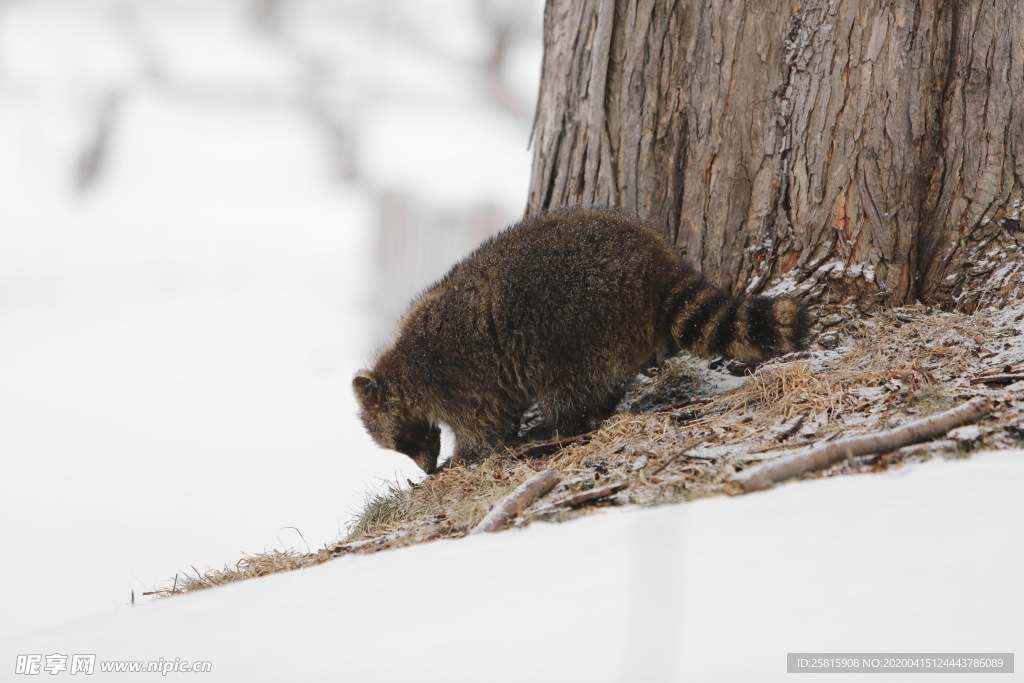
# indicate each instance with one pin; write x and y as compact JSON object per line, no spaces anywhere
{"x":561,"y":309}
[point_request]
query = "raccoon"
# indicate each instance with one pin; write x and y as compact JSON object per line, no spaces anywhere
{"x":560,"y":309}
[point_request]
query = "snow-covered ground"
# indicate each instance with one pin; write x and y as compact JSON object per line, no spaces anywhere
{"x":919,"y":559}
{"x":189,"y":191}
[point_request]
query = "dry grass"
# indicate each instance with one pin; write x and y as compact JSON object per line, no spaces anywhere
{"x":780,"y":392}
{"x":249,"y":567}
{"x":948,"y":342}
{"x":888,"y":368}
{"x":450,"y":503}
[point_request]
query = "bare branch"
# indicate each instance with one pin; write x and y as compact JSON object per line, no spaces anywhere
{"x":592,"y":495}
{"x":681,"y":453}
{"x":514,"y":503}
{"x":764,"y":475}
{"x":788,"y":430}
{"x":997,"y":379}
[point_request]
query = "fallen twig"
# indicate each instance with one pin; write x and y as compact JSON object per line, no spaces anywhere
{"x":914,"y":449}
{"x":796,"y":444}
{"x":762,"y":476}
{"x":592,"y":494}
{"x":686,"y":403}
{"x":512,"y":505}
{"x":788,"y":430}
{"x":997,"y":379}
{"x":681,"y":453}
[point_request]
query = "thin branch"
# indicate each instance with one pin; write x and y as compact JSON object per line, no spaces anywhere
{"x":685,"y":403}
{"x":796,"y":444}
{"x":997,"y":379}
{"x":682,"y":451}
{"x":762,"y":476}
{"x":788,"y":430}
{"x":592,"y":494}
{"x":514,"y":503}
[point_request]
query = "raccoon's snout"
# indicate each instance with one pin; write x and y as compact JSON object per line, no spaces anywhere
{"x":422,"y":443}
{"x":427,"y":461}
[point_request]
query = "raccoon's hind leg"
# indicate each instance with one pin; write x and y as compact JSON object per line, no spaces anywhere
{"x":571,"y":412}
{"x":614,"y":397}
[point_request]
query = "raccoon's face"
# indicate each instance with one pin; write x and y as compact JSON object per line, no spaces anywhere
{"x":391,"y":427}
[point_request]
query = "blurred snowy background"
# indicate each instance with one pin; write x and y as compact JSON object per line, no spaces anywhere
{"x":211,"y":212}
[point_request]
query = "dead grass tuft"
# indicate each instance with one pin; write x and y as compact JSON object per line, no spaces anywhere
{"x":451,"y":502}
{"x":930,"y":399}
{"x":781,"y":391}
{"x":249,"y":567}
{"x":893,"y":340}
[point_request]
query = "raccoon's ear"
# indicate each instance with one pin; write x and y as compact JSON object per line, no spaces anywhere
{"x":367,"y":390}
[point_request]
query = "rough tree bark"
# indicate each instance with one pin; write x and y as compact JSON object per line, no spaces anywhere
{"x":867,"y":150}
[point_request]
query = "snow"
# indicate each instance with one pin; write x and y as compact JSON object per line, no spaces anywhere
{"x":180,"y":329}
{"x":919,"y":559}
{"x":868,"y":393}
{"x":171,"y":360}
{"x":719,"y":382}
{"x":965,"y":433}
{"x":784,"y":285}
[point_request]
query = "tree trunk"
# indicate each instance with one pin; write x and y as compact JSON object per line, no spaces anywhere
{"x":857,"y":150}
